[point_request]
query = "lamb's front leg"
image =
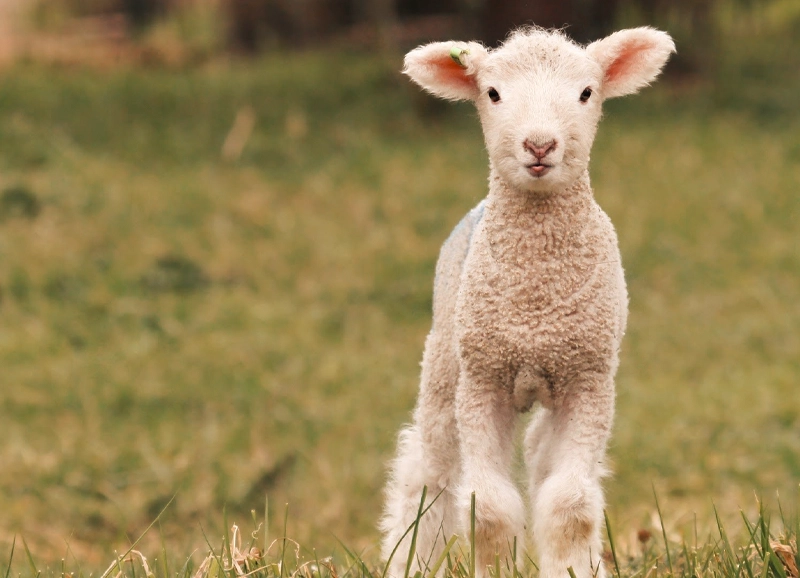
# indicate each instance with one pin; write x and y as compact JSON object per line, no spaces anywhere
{"x":485,"y":415}
{"x":568,"y":501}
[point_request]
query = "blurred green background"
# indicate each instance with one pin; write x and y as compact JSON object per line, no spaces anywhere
{"x":218,"y":228}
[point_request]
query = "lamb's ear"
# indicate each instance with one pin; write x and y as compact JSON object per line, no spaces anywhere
{"x":630,"y":59}
{"x":446,"y":69}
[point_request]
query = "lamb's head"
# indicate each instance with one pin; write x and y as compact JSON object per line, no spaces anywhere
{"x":539,"y":95}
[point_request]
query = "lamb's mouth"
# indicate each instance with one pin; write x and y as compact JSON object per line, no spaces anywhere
{"x":538,"y":170}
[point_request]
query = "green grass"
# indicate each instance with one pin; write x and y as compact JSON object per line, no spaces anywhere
{"x":765,"y":551}
{"x":176,"y":325}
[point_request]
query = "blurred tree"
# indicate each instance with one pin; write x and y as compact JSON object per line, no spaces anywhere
{"x":381,"y":15}
{"x":141,"y":13}
{"x":584,"y":20}
{"x":690,"y":22}
{"x":417,"y":7}
{"x":254,"y":23}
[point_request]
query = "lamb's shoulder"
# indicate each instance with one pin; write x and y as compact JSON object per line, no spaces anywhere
{"x":451,"y":263}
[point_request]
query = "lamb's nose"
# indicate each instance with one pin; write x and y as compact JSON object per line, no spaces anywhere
{"x":539,"y":151}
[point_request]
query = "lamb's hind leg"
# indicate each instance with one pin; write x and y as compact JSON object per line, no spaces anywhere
{"x":427,"y":456}
{"x":566,"y":494}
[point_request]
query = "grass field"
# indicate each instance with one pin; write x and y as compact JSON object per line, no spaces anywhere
{"x":175,"y":323}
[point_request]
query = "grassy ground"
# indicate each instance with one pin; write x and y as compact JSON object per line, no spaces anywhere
{"x":173,"y":323}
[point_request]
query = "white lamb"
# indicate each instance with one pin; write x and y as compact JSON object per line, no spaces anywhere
{"x":529,"y":306}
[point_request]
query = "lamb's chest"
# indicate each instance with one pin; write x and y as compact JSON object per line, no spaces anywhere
{"x":547,"y":314}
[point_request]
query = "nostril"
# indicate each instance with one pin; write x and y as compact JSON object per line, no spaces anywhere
{"x":539,"y":150}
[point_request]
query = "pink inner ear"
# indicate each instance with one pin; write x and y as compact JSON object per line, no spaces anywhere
{"x":626,"y":59}
{"x":451,"y":73}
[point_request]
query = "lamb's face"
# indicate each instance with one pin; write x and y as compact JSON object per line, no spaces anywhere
{"x":539,"y":105}
{"x":539,"y":96}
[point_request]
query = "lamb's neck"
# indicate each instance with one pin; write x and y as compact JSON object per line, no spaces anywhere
{"x":537,"y":224}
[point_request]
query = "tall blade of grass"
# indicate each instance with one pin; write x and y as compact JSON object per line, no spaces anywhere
{"x":663,"y":532}
{"x":770,"y":557}
{"x":164,"y":561}
{"x":571,"y":572}
{"x":461,"y":570}
{"x":266,"y":524}
{"x":217,"y":559}
{"x":351,"y":565}
{"x":745,"y":561}
{"x":780,"y":510}
{"x":408,"y":530}
{"x":611,"y":543}
{"x":11,"y":555}
{"x":185,"y":569}
{"x":728,"y":557}
{"x":690,"y":557}
{"x":765,"y":569}
{"x":450,"y":564}
{"x":748,"y":567}
{"x":357,"y":558}
{"x":445,"y":553}
{"x":531,"y":562}
{"x":763,"y":525}
{"x":30,"y":558}
{"x":514,"y":570}
{"x":711,"y":554}
{"x":214,"y":569}
{"x":750,"y":527}
{"x":472,"y":536}
{"x":751,"y":530}
{"x":777,"y":565}
{"x":413,"y":548}
{"x":71,"y":553}
{"x":283,"y":546}
{"x":427,"y":561}
{"x":774,"y":561}
{"x":139,"y":539}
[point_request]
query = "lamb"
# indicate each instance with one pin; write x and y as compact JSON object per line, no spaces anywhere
{"x":529,"y":306}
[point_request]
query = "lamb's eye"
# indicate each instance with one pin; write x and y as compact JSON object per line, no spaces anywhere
{"x":494,"y":95}
{"x":587,"y":92}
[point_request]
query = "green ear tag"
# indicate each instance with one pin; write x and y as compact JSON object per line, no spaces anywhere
{"x":456,"y":52}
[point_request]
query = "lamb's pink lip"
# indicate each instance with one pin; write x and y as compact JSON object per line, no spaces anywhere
{"x":538,"y":170}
